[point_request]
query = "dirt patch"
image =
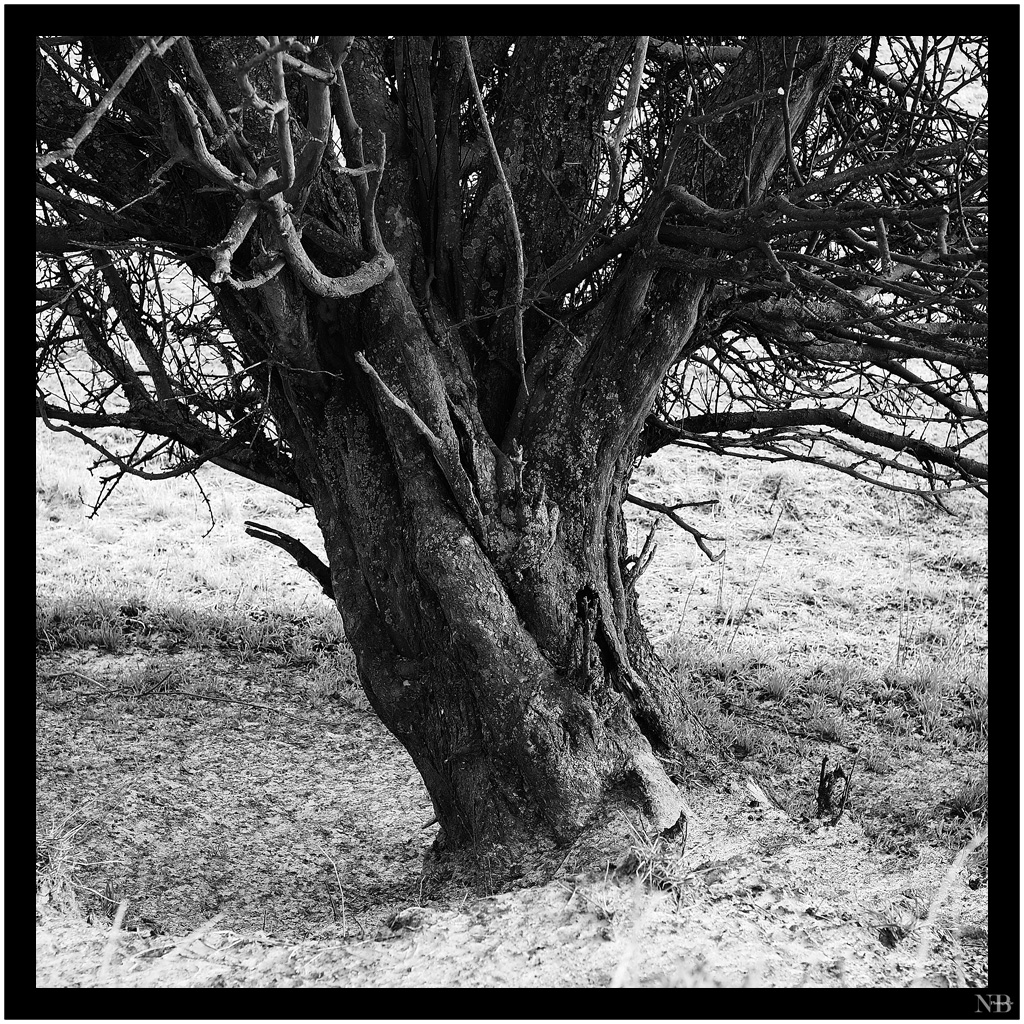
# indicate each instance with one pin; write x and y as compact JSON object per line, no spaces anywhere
{"x":799,"y":905}
{"x":201,"y":806}
{"x":296,"y":844}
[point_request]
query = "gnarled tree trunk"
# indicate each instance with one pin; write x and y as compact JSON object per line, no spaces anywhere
{"x":488,"y":599}
{"x":474,"y":527}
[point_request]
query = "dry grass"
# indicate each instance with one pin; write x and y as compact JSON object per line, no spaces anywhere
{"x":204,"y":745}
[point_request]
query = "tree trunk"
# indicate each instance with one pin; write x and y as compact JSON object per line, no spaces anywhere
{"x":474,"y":527}
{"x":466,"y":447}
{"x":489,"y":601}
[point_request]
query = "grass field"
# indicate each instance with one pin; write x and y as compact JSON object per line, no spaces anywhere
{"x":218,"y":806}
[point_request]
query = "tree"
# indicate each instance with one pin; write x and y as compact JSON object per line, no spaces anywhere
{"x":447,"y":291}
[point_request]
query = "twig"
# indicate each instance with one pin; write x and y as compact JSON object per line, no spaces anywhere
{"x":940,"y":896}
{"x":513,"y":222}
{"x":230,"y":700}
{"x":181,"y":469}
{"x":846,"y":794}
{"x":572,"y":846}
{"x":644,"y":559}
{"x":822,"y":790}
{"x":753,"y":585}
{"x":92,"y":118}
{"x":686,"y":603}
{"x":80,"y":675}
{"x":341,"y":894}
{"x":182,"y":947}
{"x":670,"y":511}
{"x":259,"y":278}
{"x":943,"y":227}
{"x":199,"y":696}
{"x":883,"y":246}
{"x":111,"y":946}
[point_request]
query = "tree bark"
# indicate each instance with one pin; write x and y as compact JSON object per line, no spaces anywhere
{"x":485,"y":591}
{"x":490,"y":606}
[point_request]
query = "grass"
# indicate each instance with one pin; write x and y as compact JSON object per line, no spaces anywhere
{"x":191,"y":674}
{"x":656,"y":865}
{"x":61,"y":858}
{"x":970,"y":800}
{"x":871,"y":632}
{"x":97,"y":618}
{"x":778,"y":718}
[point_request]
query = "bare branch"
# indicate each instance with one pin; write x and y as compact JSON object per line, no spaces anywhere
{"x":923,"y":451}
{"x":696,"y":54}
{"x":785,"y":112}
{"x":283,"y":51}
{"x":670,"y":511}
{"x":150,"y":46}
{"x":370,"y":274}
{"x":449,"y":464}
{"x":204,"y":159}
{"x":284,"y":138}
{"x":614,"y":145}
{"x":213,"y":106}
{"x":223,"y":252}
{"x":305,"y":558}
{"x":513,"y":221}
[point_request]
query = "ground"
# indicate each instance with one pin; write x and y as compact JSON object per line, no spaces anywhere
{"x":217,"y":805}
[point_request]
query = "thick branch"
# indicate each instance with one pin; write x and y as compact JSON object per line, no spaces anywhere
{"x":92,"y":119}
{"x":923,"y":451}
{"x":513,"y":221}
{"x":695,"y":54}
{"x":451,"y":468}
{"x":370,"y":274}
{"x":303,"y":556}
